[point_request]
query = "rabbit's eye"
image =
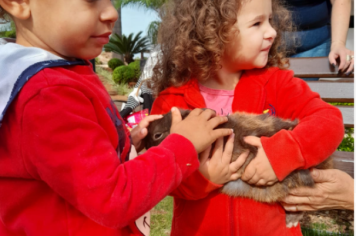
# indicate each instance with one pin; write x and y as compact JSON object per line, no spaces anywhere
{"x":157,"y":136}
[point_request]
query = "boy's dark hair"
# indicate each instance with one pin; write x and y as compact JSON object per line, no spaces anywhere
{"x":193,"y":35}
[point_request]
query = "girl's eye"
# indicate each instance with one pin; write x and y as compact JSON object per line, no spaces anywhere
{"x":257,"y":24}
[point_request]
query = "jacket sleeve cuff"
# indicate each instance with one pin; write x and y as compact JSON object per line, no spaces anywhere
{"x":202,"y":184}
{"x":195,"y":187}
{"x":185,"y":154}
{"x":283,"y":153}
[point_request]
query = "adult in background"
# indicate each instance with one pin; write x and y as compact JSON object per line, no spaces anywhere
{"x":142,"y":93}
{"x":322,"y":27}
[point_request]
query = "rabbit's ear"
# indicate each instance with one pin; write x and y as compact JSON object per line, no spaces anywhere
{"x":184,"y":113}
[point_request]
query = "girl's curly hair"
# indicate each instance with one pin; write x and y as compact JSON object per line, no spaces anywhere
{"x":193,"y":35}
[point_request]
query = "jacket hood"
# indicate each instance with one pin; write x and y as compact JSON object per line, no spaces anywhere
{"x":18,"y":64}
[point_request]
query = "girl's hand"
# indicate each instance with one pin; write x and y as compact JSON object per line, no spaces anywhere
{"x":140,"y":131}
{"x":218,"y":168}
{"x":259,"y":171}
{"x":338,"y":50}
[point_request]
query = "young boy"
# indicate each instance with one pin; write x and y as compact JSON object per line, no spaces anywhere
{"x":63,"y":145}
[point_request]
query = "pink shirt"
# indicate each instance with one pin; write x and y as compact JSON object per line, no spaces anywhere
{"x":218,"y":100}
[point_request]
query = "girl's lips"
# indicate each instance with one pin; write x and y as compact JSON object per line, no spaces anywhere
{"x":267,"y":48}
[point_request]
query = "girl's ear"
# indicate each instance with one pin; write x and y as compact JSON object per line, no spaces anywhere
{"x":18,"y":9}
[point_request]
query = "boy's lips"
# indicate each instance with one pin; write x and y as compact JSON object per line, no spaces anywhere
{"x":102,"y":38}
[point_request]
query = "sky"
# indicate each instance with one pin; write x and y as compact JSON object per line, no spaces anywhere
{"x":135,"y":19}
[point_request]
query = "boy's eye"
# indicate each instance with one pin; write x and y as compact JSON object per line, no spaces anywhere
{"x":257,"y":24}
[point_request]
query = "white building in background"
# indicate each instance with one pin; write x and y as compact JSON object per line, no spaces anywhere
{"x":4,"y":26}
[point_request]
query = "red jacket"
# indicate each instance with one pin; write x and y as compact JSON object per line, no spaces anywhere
{"x":199,"y":207}
{"x":60,"y":173}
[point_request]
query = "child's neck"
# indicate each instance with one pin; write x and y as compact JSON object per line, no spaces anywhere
{"x":224,"y":80}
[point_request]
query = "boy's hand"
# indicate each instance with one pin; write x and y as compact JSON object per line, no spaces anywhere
{"x":259,"y":172}
{"x":140,"y":131}
{"x":198,"y":127}
{"x":218,"y":168}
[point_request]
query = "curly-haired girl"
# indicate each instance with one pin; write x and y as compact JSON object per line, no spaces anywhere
{"x":228,"y":55}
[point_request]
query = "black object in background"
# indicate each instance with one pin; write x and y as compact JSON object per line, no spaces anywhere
{"x":93,"y":63}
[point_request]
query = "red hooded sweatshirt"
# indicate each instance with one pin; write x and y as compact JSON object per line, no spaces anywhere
{"x":63,"y":155}
{"x":199,"y":207}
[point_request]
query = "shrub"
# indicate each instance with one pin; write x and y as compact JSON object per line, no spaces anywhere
{"x":347,"y":144}
{"x":97,"y":61}
{"x":114,"y":63}
{"x":10,"y":34}
{"x":123,"y":74}
{"x":136,"y":67}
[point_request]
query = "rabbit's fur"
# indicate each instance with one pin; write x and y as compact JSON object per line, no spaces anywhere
{"x":248,"y":125}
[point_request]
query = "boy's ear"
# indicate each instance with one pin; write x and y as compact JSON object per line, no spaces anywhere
{"x":18,"y":9}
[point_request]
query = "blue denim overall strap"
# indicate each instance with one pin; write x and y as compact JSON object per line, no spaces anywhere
{"x":28,"y":73}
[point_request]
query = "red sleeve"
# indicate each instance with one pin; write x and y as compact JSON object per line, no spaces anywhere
{"x":67,"y":147}
{"x":318,"y":134}
{"x":196,"y":186}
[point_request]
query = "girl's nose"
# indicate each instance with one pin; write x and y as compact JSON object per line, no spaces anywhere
{"x":271,"y":33}
{"x":109,"y":13}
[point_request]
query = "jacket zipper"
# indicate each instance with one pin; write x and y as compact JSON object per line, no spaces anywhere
{"x":231,"y":216}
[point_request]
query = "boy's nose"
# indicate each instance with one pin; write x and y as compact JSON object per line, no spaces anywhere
{"x":109,"y":13}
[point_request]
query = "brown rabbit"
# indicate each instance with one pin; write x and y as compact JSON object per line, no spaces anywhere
{"x":248,"y":125}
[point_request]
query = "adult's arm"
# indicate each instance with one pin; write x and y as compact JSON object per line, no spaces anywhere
{"x":340,"y":19}
{"x":334,"y":189}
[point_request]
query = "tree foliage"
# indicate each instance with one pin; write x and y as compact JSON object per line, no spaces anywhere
{"x":146,"y":4}
{"x":152,"y":31}
{"x":154,"y":5}
{"x":127,"y":46}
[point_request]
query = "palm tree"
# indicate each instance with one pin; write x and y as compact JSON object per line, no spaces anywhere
{"x":153,"y":5}
{"x":117,"y":28}
{"x":147,"y":4}
{"x":127,"y":46}
{"x":152,"y":31}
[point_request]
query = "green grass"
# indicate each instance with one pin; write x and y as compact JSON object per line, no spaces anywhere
{"x":161,"y":217}
{"x":122,"y":89}
{"x":321,"y":232}
{"x":106,"y":74}
{"x":341,"y":104}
